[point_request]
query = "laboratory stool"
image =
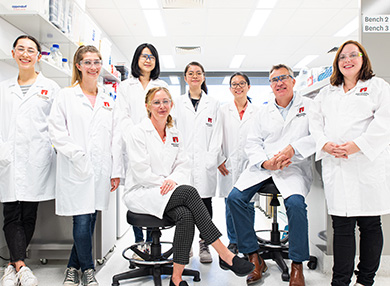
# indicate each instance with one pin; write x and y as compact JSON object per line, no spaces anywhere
{"x":155,"y":263}
{"x":276,"y":248}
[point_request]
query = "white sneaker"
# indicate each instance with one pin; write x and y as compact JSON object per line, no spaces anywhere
{"x":71,"y":277}
{"x":88,"y":278}
{"x":26,"y":277}
{"x":9,"y":277}
{"x":204,"y":253}
{"x":358,"y":284}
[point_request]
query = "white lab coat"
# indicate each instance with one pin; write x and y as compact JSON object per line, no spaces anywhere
{"x":27,"y":158}
{"x":228,"y":144}
{"x":197,"y":129}
{"x":86,"y":140}
{"x":359,"y":185}
{"x":151,"y":162}
{"x":271,"y":134}
{"x":130,"y":101}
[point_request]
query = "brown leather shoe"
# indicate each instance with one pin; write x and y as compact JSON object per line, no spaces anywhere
{"x":260,"y":268}
{"x":296,"y":277}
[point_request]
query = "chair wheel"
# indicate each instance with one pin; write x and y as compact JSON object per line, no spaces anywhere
{"x":132,"y":266}
{"x":197,"y":278}
{"x":285,"y":276}
{"x":312,"y":264}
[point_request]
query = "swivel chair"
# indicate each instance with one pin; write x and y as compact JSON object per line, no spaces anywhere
{"x":155,"y":263}
{"x":277,"y":248}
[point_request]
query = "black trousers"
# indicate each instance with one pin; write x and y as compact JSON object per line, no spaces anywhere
{"x":187,"y":209}
{"x":344,"y":247}
{"x":19,"y":226}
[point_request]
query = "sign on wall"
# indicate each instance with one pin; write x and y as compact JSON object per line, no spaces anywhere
{"x":376,"y":24}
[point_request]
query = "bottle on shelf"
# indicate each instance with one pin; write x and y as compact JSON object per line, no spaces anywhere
{"x":47,"y":57}
{"x":56,"y":55}
{"x":65,"y":65}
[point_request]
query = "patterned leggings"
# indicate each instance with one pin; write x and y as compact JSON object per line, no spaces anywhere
{"x":187,"y":209}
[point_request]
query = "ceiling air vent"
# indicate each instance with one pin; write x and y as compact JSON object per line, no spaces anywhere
{"x":182,"y":4}
{"x":188,"y":50}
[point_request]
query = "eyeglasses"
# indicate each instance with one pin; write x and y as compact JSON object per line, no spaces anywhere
{"x":146,"y":57}
{"x":194,"y":74}
{"x":89,"y":63}
{"x":157,"y":103}
{"x":351,"y":56}
{"x":241,"y":84}
{"x":282,"y":78}
{"x":30,"y":51}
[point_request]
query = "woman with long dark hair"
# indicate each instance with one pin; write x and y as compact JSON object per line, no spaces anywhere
{"x":145,"y":71}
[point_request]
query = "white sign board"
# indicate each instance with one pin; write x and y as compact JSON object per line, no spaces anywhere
{"x":376,"y":24}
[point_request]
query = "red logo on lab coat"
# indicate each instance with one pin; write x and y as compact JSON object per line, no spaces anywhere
{"x":175,"y":139}
{"x":106,"y":104}
{"x":44,"y":92}
{"x":301,"y":109}
{"x":210,"y":120}
{"x":363,"y":89}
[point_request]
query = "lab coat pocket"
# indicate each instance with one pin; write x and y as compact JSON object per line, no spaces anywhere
{"x":41,"y":153}
{"x":82,"y":168}
{"x":5,"y":155}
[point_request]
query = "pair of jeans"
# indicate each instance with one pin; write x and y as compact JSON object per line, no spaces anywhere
{"x":239,"y":204}
{"x":81,"y":255}
{"x":139,"y":235}
{"x":19,"y":226}
{"x":229,"y":221}
{"x":344,"y":249}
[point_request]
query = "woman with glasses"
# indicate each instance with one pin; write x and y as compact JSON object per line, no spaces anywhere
{"x":27,"y":159}
{"x":87,"y":140}
{"x":228,"y":142}
{"x":350,"y":123}
{"x":157,"y":184}
{"x":195,"y":115}
{"x":145,"y":70}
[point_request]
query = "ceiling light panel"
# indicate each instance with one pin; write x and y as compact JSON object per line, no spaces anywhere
{"x":155,"y":23}
{"x":237,"y":61}
{"x":257,"y":21}
{"x":305,"y":61}
{"x":349,"y":28}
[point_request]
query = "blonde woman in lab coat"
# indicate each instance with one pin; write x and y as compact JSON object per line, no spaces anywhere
{"x":195,"y":115}
{"x":350,"y":122}
{"x":86,"y":137}
{"x":27,"y":159}
{"x":130,"y":102}
{"x":156,"y":185}
{"x":228,"y":144}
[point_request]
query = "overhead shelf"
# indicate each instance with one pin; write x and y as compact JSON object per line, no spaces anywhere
{"x":46,"y":33}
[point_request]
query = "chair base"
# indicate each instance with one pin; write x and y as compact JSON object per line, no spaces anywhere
{"x":153,"y":270}
{"x":278,"y":255}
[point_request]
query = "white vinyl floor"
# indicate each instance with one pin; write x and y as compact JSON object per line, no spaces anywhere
{"x":52,"y":274}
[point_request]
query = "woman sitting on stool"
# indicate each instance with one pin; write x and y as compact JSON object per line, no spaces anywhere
{"x":158,"y":170}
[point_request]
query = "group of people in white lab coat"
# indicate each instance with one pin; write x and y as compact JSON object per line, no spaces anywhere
{"x":170,"y":151}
